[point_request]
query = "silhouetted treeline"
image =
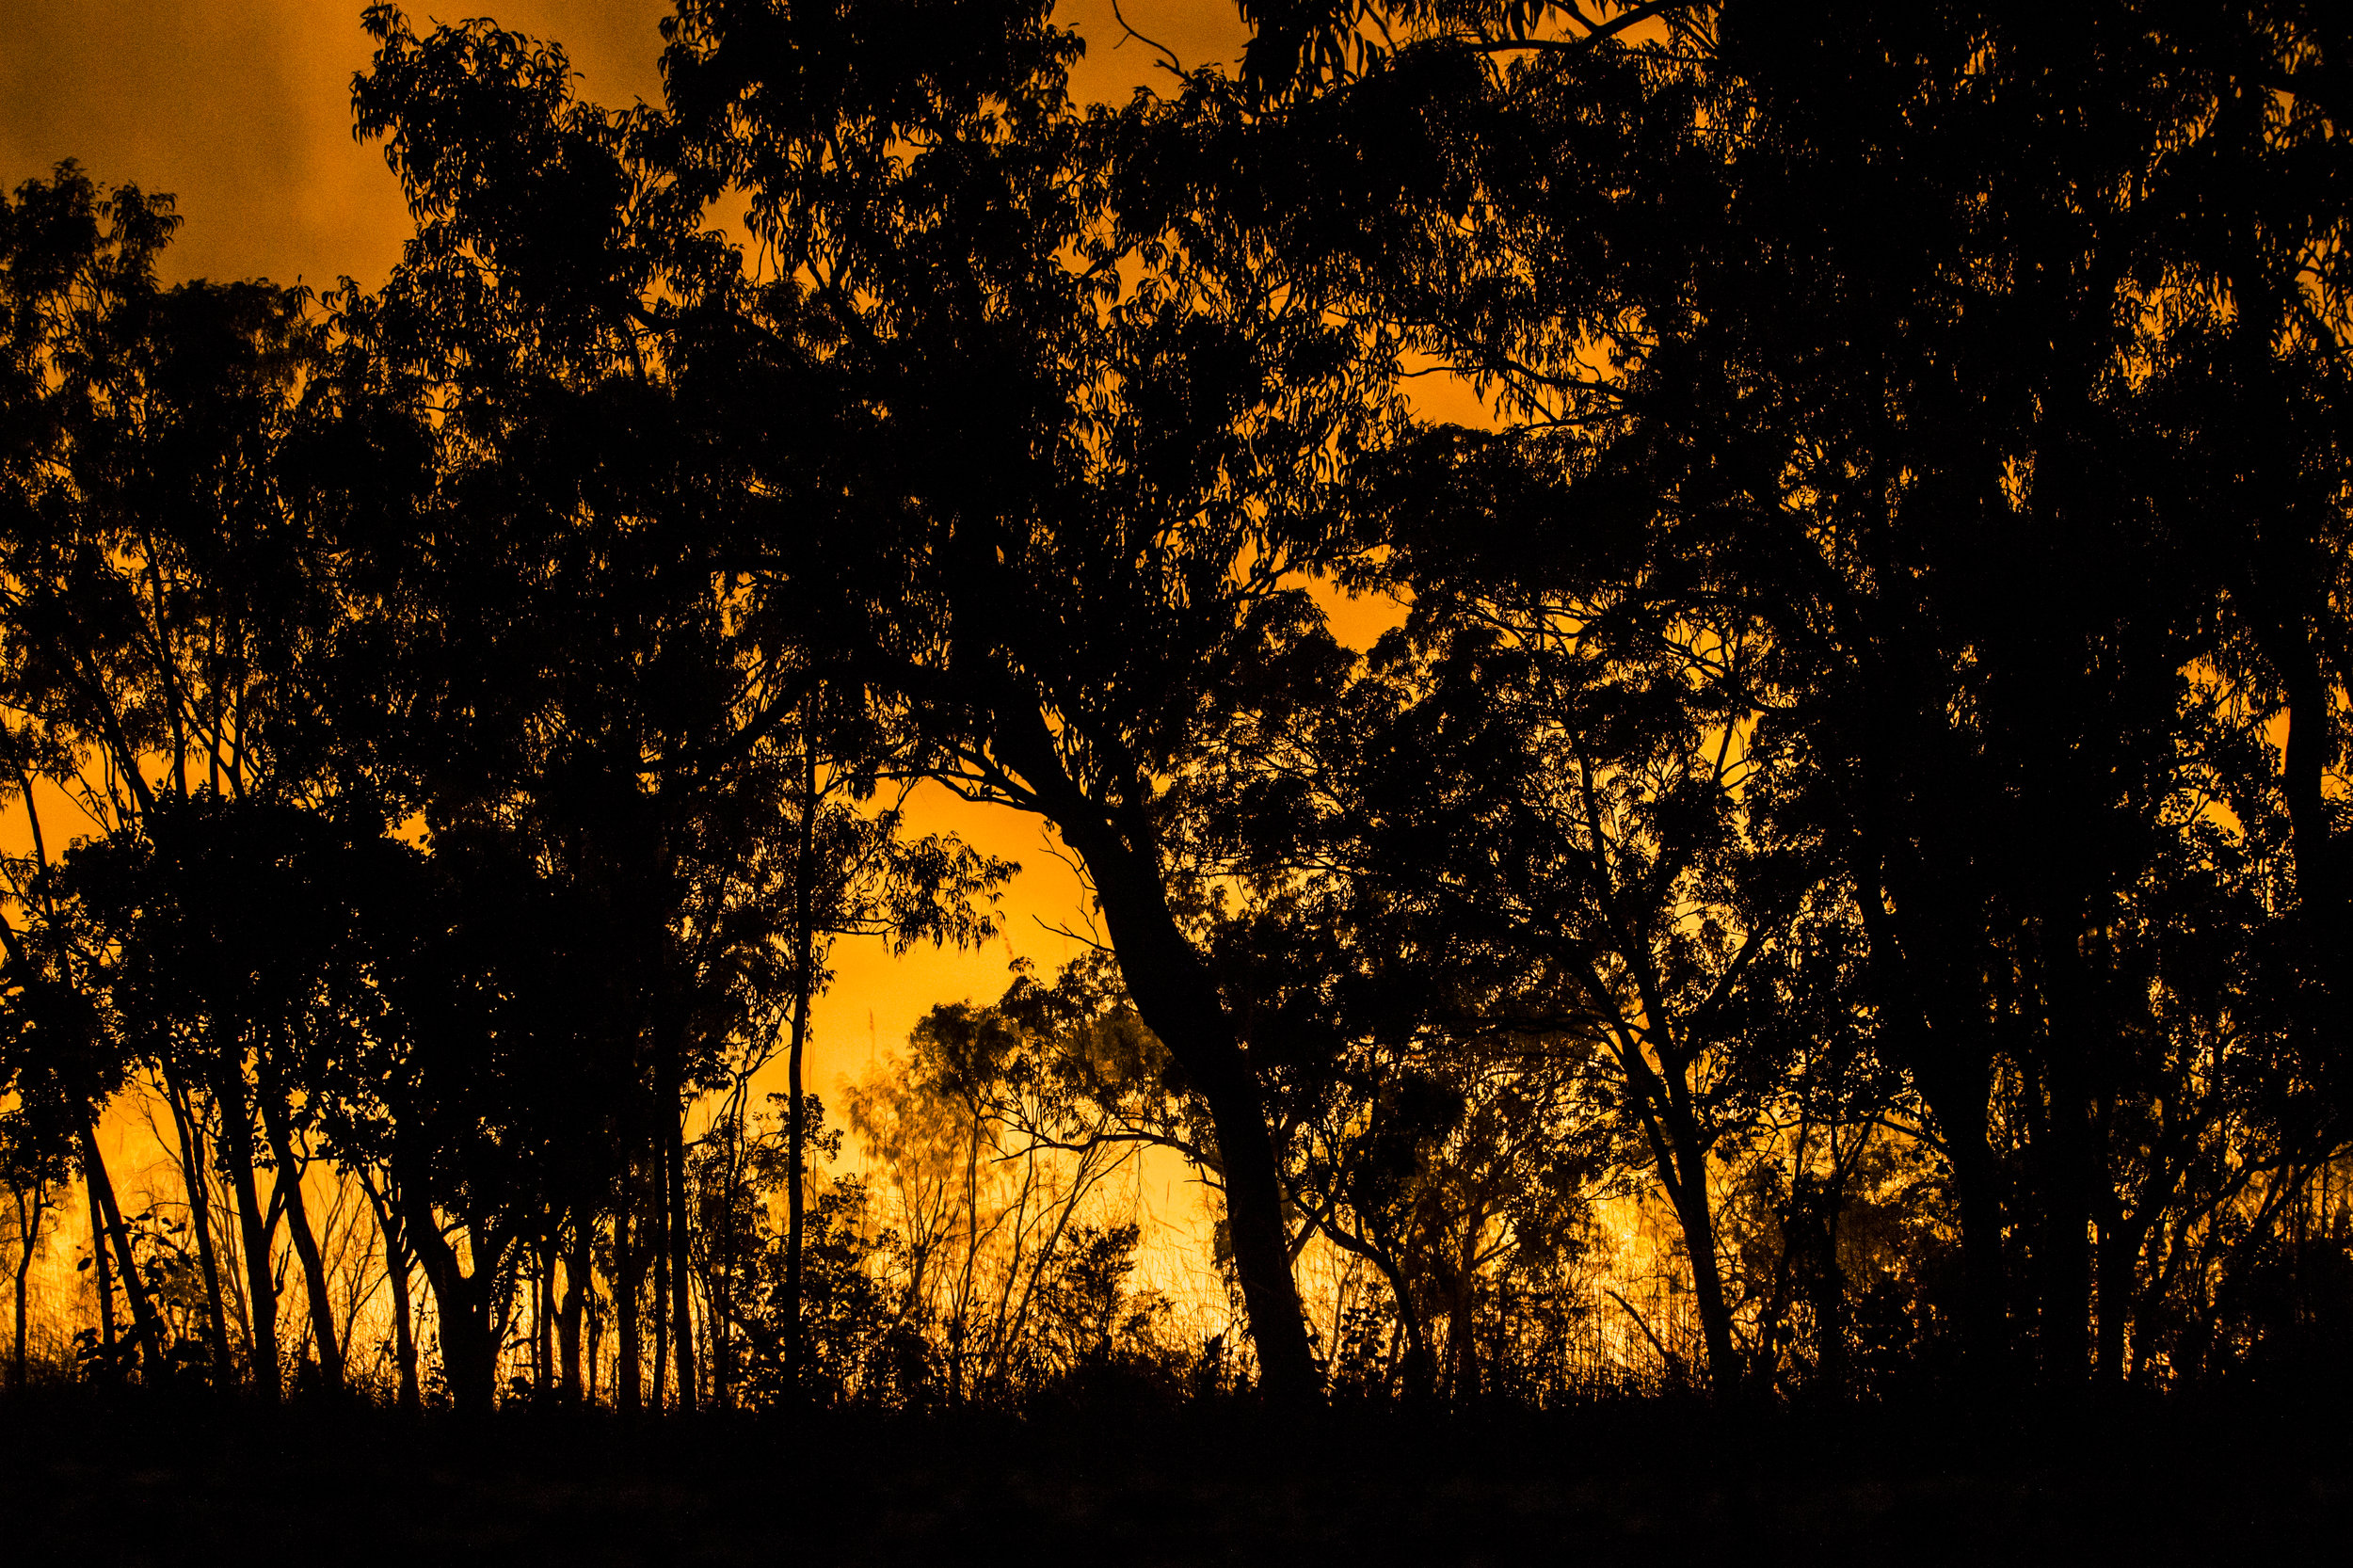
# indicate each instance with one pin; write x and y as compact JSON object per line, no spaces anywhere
{"x":1836,"y":880}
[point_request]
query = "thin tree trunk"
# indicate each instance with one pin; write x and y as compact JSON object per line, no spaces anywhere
{"x":1695,"y":1213}
{"x":193,"y":1167}
{"x":795,"y":1201}
{"x":543,"y":1318}
{"x":275,"y":1121}
{"x":260,"y":1287}
{"x":28,"y":1220}
{"x":657,"y":1397}
{"x":104,"y":1269}
{"x":796,"y":1125}
{"x":396,"y":1280}
{"x":723,"y":1262}
{"x":145,"y":1324}
{"x":682,"y":1272}
{"x":628,"y":1274}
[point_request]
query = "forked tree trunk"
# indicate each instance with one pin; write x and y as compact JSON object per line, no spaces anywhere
{"x":193,"y":1166}
{"x":323,"y":1330}
{"x":396,"y":1280}
{"x":576,"y":1288}
{"x":236,"y":1122}
{"x":469,"y":1347}
{"x":145,"y":1324}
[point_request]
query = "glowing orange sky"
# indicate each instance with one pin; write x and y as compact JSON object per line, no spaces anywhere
{"x":242,"y":107}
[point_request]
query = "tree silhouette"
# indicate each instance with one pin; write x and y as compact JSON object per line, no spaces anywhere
{"x":1814,"y":319}
{"x":1075,"y":501}
{"x":1836,"y":881}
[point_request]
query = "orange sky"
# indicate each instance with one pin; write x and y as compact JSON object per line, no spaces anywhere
{"x":241,"y":109}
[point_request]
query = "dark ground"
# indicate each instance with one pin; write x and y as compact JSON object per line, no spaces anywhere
{"x":91,"y":1479}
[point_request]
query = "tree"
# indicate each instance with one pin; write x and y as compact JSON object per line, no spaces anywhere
{"x":158,"y":595}
{"x":704,"y":770}
{"x":1081,"y":449}
{"x":1813,"y":317}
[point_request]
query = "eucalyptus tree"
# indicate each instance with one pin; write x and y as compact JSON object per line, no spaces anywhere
{"x":1875,"y":333}
{"x":585,"y":667}
{"x":40,"y":1139}
{"x":1542,"y":824}
{"x":551,"y":613}
{"x":233,"y":934}
{"x":160,"y":595}
{"x":1079,"y":460}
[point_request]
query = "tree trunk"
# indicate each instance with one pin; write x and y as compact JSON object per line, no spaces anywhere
{"x":193,"y":1166}
{"x":2072,"y":1168}
{"x":1421,"y":1368}
{"x":803,"y":984}
{"x":596,"y":1344}
{"x":543,"y":1372}
{"x":1952,"y":1068}
{"x":1816,"y":1204}
{"x":468,"y":1345}
{"x":795,"y":1203}
{"x":145,"y":1324}
{"x":1681,"y":1156}
{"x":629,"y":1274}
{"x":1977,"y":1194}
{"x":2120,"y":1248}
{"x":1462,"y":1337}
{"x":28,"y":1218}
{"x":658,"y":1396}
{"x":396,"y":1280}
{"x":104,"y":1269}
{"x":1260,"y":1240}
{"x":236,"y":1124}
{"x":330,"y":1351}
{"x":576,"y":1284}
{"x":1695,"y":1214}
{"x":682,"y":1269}
{"x":1178,"y":998}
{"x":1178,"y":1002}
